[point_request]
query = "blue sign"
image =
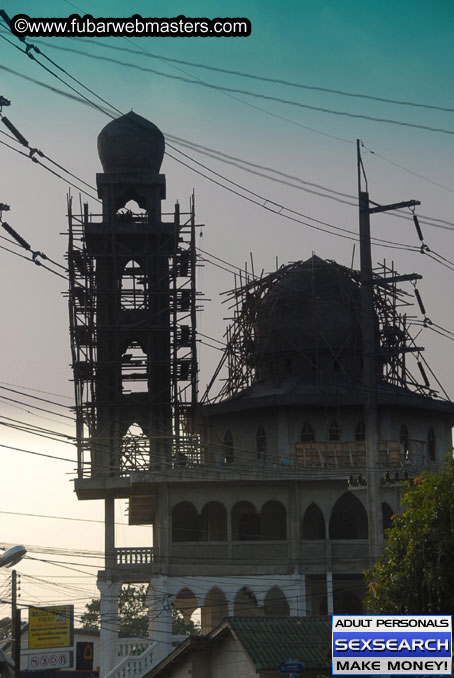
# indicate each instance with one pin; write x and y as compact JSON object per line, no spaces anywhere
{"x":291,"y":667}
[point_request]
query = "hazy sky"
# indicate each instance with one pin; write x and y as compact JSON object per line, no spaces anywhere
{"x":392,"y":50}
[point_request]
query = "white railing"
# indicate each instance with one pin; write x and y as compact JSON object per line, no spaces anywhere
{"x":134,"y":556}
{"x":134,"y":666}
{"x":133,"y":647}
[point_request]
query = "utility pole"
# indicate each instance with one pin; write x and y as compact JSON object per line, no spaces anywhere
{"x":15,"y":626}
{"x":8,"y":559}
{"x":370,"y":348}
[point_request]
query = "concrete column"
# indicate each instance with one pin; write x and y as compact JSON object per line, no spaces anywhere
{"x":109,"y":533}
{"x":108,"y":653}
{"x":164,"y":528}
{"x":160,"y":610}
{"x":329,"y":592}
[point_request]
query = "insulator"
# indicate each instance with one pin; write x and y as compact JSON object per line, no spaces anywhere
{"x":419,"y":300}
{"x":423,"y":374}
{"x":15,"y":131}
{"x":18,"y":238}
{"x":418,"y":228}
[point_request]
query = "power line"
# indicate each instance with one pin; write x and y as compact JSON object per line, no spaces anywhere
{"x":242,"y":74}
{"x":27,"y":395}
{"x":37,"y":454}
{"x":266,"y":202}
{"x":202,"y":149}
{"x":406,"y":169}
{"x":257,"y":95}
{"x":40,"y":515}
{"x":36,"y":390}
{"x":49,"y":169}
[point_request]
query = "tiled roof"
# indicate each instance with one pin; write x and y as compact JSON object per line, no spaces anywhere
{"x":269,"y":641}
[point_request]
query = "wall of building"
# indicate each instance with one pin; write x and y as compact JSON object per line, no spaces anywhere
{"x":283,"y":429}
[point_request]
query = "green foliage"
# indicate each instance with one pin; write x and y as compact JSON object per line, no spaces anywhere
{"x":132,"y":612}
{"x":415,"y":572}
{"x":133,"y":615}
{"x":5,"y":628}
{"x":180,"y":627}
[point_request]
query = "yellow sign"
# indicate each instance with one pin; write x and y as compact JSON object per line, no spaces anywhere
{"x":50,"y":626}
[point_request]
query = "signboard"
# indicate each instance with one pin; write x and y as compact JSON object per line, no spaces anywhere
{"x":291,"y":666}
{"x":392,"y":644}
{"x":84,"y":656}
{"x":37,"y":661}
{"x":50,"y":627}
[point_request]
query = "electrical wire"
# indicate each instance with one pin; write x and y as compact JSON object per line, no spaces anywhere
{"x":233,"y":90}
{"x":242,"y":74}
{"x":188,"y":143}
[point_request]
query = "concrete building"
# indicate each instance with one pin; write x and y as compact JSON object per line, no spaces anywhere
{"x":255,"y":496}
{"x":247,"y":647}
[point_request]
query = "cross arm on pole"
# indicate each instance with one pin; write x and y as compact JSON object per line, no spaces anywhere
{"x":394,"y":206}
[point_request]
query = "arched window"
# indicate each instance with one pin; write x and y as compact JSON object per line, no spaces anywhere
{"x":186,"y":603}
{"x":431,"y":444}
{"x":135,"y":449}
{"x":134,"y":372}
{"x":360,"y":431}
{"x":348,"y":518}
{"x":387,"y":514}
{"x":403,"y":438}
{"x":245,"y":522}
{"x":313,"y":523}
{"x":276,"y":604}
{"x":273,"y":521}
{"x":260,"y":444}
{"x":229,"y":452}
{"x":213,"y":522}
{"x":334,"y":431}
{"x":307,"y":433}
{"x":185,"y":522}
{"x":132,"y":286}
{"x":131,"y":209}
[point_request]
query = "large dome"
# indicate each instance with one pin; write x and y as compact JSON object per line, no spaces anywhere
{"x":314,"y":307}
{"x":131,"y":144}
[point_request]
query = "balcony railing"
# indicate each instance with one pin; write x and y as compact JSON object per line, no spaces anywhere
{"x":130,"y":557}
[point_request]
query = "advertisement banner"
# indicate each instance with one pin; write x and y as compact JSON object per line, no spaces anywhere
{"x":50,"y":627}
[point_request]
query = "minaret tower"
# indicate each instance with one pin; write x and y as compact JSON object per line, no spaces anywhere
{"x":132,"y":317}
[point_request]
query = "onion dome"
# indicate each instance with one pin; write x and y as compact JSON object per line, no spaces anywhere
{"x":131,"y":144}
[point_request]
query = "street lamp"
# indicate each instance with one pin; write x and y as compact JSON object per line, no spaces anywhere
{"x":8,"y":559}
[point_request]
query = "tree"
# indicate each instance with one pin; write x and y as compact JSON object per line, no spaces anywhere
{"x":5,"y":627}
{"x":133,"y":615}
{"x":132,"y":612}
{"x":414,"y":574}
